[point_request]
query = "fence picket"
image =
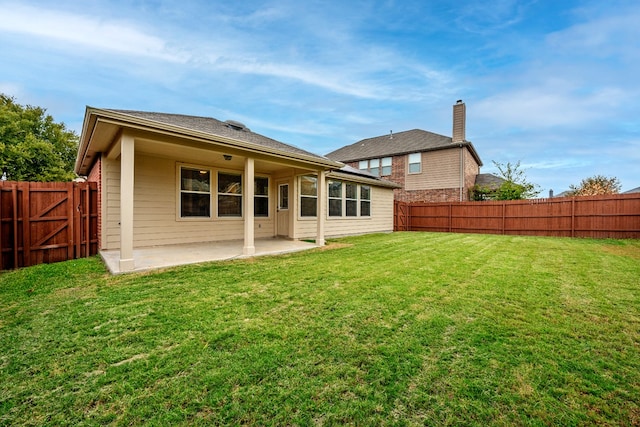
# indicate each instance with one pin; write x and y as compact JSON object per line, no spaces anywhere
{"x":611,"y":216}
{"x":44,"y":228}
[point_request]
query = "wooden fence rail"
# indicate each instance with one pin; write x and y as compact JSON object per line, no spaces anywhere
{"x":612,"y":216}
{"x":43,"y":222}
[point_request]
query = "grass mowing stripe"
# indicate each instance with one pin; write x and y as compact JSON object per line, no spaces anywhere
{"x":396,"y":329}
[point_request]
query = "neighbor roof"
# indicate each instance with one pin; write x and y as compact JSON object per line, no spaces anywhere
{"x":411,"y":141}
{"x":633,"y":190}
{"x":489,"y":180}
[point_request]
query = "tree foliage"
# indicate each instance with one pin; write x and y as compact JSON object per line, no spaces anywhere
{"x":596,"y":185}
{"x":32,"y":146}
{"x":514,"y":186}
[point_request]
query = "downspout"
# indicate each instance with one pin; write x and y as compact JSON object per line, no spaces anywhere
{"x":461,"y":171}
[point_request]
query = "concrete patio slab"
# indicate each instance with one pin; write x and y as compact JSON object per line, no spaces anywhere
{"x":156,"y":257}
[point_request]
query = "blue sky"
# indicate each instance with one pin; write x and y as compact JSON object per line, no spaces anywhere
{"x":552,"y":84}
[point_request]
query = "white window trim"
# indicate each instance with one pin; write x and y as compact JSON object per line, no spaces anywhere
{"x":258,"y":218}
{"x":418,"y":163}
{"x":382,"y":166}
{"x":343,"y":197}
{"x":329,"y":198}
{"x":241,"y":195}
{"x":300,"y":196}
{"x":361,"y":200}
{"x":179,"y":217}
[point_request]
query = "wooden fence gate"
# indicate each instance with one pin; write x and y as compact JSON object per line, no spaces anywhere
{"x":44,"y":222}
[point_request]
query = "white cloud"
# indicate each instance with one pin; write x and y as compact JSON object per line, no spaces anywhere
{"x":616,"y":33}
{"x":114,"y":36}
{"x":550,"y":106}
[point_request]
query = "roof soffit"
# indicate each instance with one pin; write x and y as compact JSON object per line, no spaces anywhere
{"x":95,"y":117}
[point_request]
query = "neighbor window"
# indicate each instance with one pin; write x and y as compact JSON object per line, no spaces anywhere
{"x":195,"y":193}
{"x":374,"y":167}
{"x":261,"y":197}
{"x":308,"y":195}
{"x":229,"y":195}
{"x":378,"y":167}
{"x":386,"y":166}
{"x":415,"y":163}
{"x":365,"y":200}
{"x":335,"y":198}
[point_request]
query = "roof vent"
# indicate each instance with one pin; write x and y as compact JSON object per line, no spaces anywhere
{"x":236,"y":125}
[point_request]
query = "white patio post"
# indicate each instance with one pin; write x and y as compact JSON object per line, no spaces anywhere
{"x":248,"y":202}
{"x":322,"y":204}
{"x":126,"y":202}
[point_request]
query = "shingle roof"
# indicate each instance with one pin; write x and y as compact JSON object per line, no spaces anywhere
{"x":216,"y":127}
{"x":411,"y":141}
{"x":489,"y":180}
{"x":633,"y":190}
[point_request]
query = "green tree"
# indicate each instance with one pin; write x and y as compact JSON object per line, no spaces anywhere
{"x":596,"y":185}
{"x":32,"y":146}
{"x":513,"y":187}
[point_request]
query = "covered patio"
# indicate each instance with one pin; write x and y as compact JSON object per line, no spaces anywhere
{"x":152,"y":258}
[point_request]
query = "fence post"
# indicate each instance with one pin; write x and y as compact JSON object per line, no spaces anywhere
{"x":76,"y":221}
{"x":14,"y":199}
{"x":504,"y":214}
{"x":70,"y":252}
{"x":26,"y":222}
{"x":450,"y":216}
{"x":573,"y":217}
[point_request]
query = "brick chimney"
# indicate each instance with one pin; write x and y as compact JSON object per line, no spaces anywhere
{"x":459,"y":120}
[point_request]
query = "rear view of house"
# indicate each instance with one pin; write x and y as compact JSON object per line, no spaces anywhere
{"x":428,"y":166}
{"x":167,"y":179}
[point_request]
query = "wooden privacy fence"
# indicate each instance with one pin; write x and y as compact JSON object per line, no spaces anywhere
{"x":43,"y":222}
{"x":612,"y":216}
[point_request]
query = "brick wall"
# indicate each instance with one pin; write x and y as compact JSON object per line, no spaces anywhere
{"x":95,"y":175}
{"x":399,"y":172}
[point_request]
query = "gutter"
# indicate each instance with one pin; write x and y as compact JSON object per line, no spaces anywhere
{"x":123,"y":119}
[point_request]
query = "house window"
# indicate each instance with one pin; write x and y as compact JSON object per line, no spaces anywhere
{"x":365,"y":200}
{"x":229,"y":195}
{"x":308,"y":195}
{"x":343,"y":199}
{"x":351,"y":199}
{"x":335,"y":198}
{"x":374,"y":167}
{"x":363,"y":165}
{"x":415,"y":163}
{"x":261,"y":197}
{"x":386,"y":166}
{"x":195,"y":193}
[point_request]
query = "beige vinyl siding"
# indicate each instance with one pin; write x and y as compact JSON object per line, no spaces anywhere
{"x":111,"y":220}
{"x":156,"y":217}
{"x":381,"y":219}
{"x":440,"y":169}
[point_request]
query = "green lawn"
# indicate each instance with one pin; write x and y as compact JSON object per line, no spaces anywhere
{"x":395,"y":329}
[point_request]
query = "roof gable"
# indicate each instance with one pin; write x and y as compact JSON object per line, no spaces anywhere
{"x":101,"y":126}
{"x":395,"y":144}
{"x":214,"y":127}
{"x":410,"y":141}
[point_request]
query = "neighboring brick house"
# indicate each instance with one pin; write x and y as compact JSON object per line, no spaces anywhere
{"x":428,"y":166}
